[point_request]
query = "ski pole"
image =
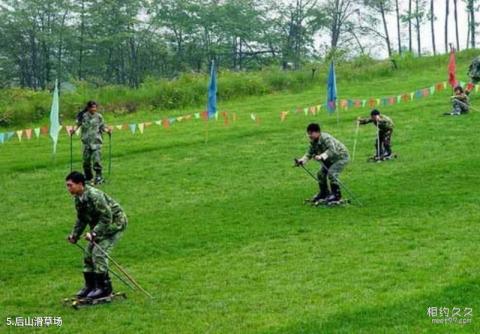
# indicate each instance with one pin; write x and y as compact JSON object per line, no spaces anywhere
{"x":71,"y":152}
{"x":122,"y":270}
{"x":112,"y":271}
{"x":341,"y":184}
{"x":466,"y":105}
{"x":109,"y":154}
{"x":355,"y":141}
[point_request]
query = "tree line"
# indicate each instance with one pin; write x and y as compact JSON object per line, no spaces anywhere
{"x":125,"y":42}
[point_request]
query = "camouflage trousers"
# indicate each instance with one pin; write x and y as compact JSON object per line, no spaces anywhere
{"x":94,"y":260}
{"x":330,"y":172}
{"x":382,"y":143}
{"x":459,"y":107}
{"x":91,"y":155}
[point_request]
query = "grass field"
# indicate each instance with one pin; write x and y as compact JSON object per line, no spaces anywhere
{"x":218,"y":232}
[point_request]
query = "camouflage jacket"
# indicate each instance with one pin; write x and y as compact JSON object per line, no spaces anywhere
{"x":474,"y":70}
{"x":385,"y":124}
{"x":334,"y":149}
{"x":463,"y":98}
{"x":98,"y":210}
{"x":92,"y":126}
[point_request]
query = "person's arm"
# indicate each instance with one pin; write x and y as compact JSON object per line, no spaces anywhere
{"x":103,"y":126}
{"x":78,"y":229}
{"x":104,"y":216}
{"x":363,"y":121}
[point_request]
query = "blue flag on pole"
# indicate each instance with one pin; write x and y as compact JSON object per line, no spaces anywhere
{"x":54,"y":118}
{"x":331,"y":89}
{"x":212,"y":93}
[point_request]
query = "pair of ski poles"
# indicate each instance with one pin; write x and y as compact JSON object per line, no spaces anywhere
{"x":342,"y":185}
{"x":109,"y":153}
{"x":129,"y":281}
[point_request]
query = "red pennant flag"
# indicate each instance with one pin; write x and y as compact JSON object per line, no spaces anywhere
{"x":452,"y":69}
{"x":44,"y":130}
{"x":166,"y":123}
{"x":439,"y":86}
{"x":205,"y":115}
{"x":406,"y":97}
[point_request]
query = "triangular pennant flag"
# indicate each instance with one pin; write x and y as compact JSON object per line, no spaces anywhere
{"x":439,"y":87}
{"x":141,"y":127}
{"x":225,"y":117}
{"x":371,"y":103}
{"x":432,"y":90}
{"x":2,"y":138}
{"x":216,"y":116}
{"x":19,"y":135}
{"x":445,"y":84}
{"x":133,"y":127}
{"x":426,"y":92}
{"x":180,"y":118}
{"x":119,"y":127}
{"x":252,"y":116}
{"x":158,"y":122}
{"x":283,"y":115}
{"x":378,"y":102}
{"x":234,"y":118}
{"x":411,"y":95}
{"x":476,"y":88}
{"x":28,"y":133}
{"x":166,"y":123}
{"x":9,"y":135}
{"x":364,"y":103}
{"x":44,"y":130}
{"x":37,"y":132}
{"x":305,"y":111}
{"x":147,"y":124}
{"x":197,"y":115}
{"x":173,"y":120}
{"x":391,"y":100}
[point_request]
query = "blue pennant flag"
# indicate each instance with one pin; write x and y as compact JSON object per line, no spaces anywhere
{"x":2,"y":138}
{"x":212,"y":93}
{"x":331,"y":89}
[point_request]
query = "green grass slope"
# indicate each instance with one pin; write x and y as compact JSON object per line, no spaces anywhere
{"x":218,"y":232}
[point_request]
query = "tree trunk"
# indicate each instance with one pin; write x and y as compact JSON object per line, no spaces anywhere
{"x":456,"y":24}
{"x":387,"y":37}
{"x":447,"y":11}
{"x":472,"y":25}
{"x":432,"y":20}
{"x":417,"y":19}
{"x":398,"y":28}
{"x":82,"y":34}
{"x":410,"y":26}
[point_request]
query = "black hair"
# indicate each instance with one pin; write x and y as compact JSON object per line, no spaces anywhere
{"x":87,"y":107}
{"x":374,"y":112}
{"x":313,"y":127}
{"x":459,"y":88}
{"x":76,"y":177}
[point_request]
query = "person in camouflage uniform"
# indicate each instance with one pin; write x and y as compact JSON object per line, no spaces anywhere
{"x":460,"y":102}
{"x":333,"y":156}
{"x":383,"y":147}
{"x":107,"y":223}
{"x":92,"y":126}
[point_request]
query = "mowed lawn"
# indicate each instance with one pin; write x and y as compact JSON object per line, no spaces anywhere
{"x":219,"y":234}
